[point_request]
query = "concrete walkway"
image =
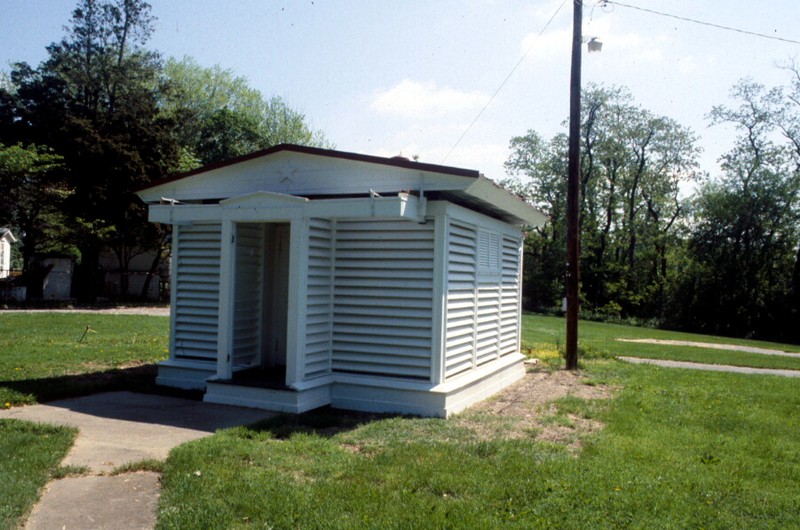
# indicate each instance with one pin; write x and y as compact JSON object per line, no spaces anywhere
{"x":711,"y":367}
{"x":115,"y":429}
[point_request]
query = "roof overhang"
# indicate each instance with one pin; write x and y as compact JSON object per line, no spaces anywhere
{"x":268,"y":206}
{"x":322,"y":174}
{"x":504,"y":204}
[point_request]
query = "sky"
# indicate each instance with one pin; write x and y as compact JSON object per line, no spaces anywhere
{"x":408,"y":77}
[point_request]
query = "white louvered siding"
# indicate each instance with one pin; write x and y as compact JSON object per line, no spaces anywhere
{"x":319,"y":299}
{"x":247,"y":305}
{"x":510,"y":302}
{"x":487,"y":334}
{"x":197,"y":257}
{"x":488,"y":252}
{"x":383,"y":294}
{"x":461,"y":301}
{"x":482,"y":297}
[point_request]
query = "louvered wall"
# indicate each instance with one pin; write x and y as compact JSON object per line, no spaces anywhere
{"x":462,"y":277}
{"x":247,"y":304}
{"x":319,"y":298}
{"x":383,"y":290}
{"x":196,"y":249}
{"x":510,"y":315}
{"x":482,"y":306}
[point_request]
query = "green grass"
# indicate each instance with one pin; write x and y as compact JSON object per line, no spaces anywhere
{"x":148,"y":464}
{"x":681,"y":449}
{"x":45,"y":356}
{"x":29,"y":458}
{"x":599,"y":339}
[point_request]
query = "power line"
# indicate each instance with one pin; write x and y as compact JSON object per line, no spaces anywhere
{"x":530,"y":48}
{"x":701,"y":22}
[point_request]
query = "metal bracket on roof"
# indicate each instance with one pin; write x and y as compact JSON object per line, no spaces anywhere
{"x":372,"y":196}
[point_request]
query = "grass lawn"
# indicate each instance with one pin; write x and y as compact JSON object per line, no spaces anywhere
{"x":546,"y":334}
{"x":681,"y":449}
{"x":30,"y":457}
{"x":44,"y":356}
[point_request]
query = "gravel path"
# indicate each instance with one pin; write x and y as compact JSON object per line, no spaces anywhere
{"x":711,"y":367}
{"x":160,"y":311}
{"x":715,"y":346}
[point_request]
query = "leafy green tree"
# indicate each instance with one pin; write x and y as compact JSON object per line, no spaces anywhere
{"x":632,"y":167}
{"x":219,"y":116}
{"x":30,"y":196}
{"x":94,"y":100}
{"x":744,"y":243}
{"x":543,"y":165}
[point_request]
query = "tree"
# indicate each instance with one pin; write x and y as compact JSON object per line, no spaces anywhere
{"x":29,"y":197}
{"x":744,"y":244}
{"x":219,"y":116}
{"x":544,"y":165}
{"x":94,"y":101}
{"x":633,"y":164}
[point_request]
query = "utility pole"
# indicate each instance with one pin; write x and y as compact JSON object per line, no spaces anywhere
{"x":573,"y":188}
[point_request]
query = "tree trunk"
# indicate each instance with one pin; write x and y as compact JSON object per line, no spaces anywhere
{"x":152,"y":272}
{"x":796,"y":280}
{"x":87,"y":277}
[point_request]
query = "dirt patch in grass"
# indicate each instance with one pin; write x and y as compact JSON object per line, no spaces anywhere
{"x":548,"y":405}
{"x":532,"y":408}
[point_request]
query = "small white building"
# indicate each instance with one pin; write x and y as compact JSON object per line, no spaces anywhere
{"x":305,"y":277}
{"x":6,"y":240}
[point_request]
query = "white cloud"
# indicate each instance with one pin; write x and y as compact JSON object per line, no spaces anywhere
{"x":550,"y":45}
{"x":416,"y":100}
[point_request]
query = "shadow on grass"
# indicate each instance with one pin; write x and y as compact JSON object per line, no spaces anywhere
{"x":141,"y":379}
{"x":325,"y":422}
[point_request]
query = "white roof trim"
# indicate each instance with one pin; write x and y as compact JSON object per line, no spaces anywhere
{"x":488,"y":191}
{"x":267,"y":206}
{"x":262,"y":199}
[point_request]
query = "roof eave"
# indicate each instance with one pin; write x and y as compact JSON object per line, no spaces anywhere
{"x":317,"y":151}
{"x":486,"y":190}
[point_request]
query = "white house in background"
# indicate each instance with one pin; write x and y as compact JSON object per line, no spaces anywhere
{"x":6,"y":240}
{"x":305,"y":277}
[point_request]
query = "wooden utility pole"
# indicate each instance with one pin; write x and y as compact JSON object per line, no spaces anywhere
{"x":573,"y":188}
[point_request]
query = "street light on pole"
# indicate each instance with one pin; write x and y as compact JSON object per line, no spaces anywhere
{"x":573,"y":188}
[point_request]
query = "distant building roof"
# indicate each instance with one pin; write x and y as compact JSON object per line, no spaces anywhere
{"x":5,"y":233}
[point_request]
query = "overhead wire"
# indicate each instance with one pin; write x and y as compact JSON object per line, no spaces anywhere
{"x":499,"y":88}
{"x":701,"y":22}
{"x":602,"y":3}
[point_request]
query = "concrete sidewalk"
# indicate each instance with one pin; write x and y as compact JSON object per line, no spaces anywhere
{"x":115,"y":429}
{"x":711,"y":367}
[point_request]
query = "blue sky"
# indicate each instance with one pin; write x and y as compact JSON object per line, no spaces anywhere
{"x":392,"y":77}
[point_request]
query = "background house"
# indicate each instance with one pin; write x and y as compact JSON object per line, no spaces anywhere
{"x":6,"y":240}
{"x":138,"y":270}
{"x":304,"y":277}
